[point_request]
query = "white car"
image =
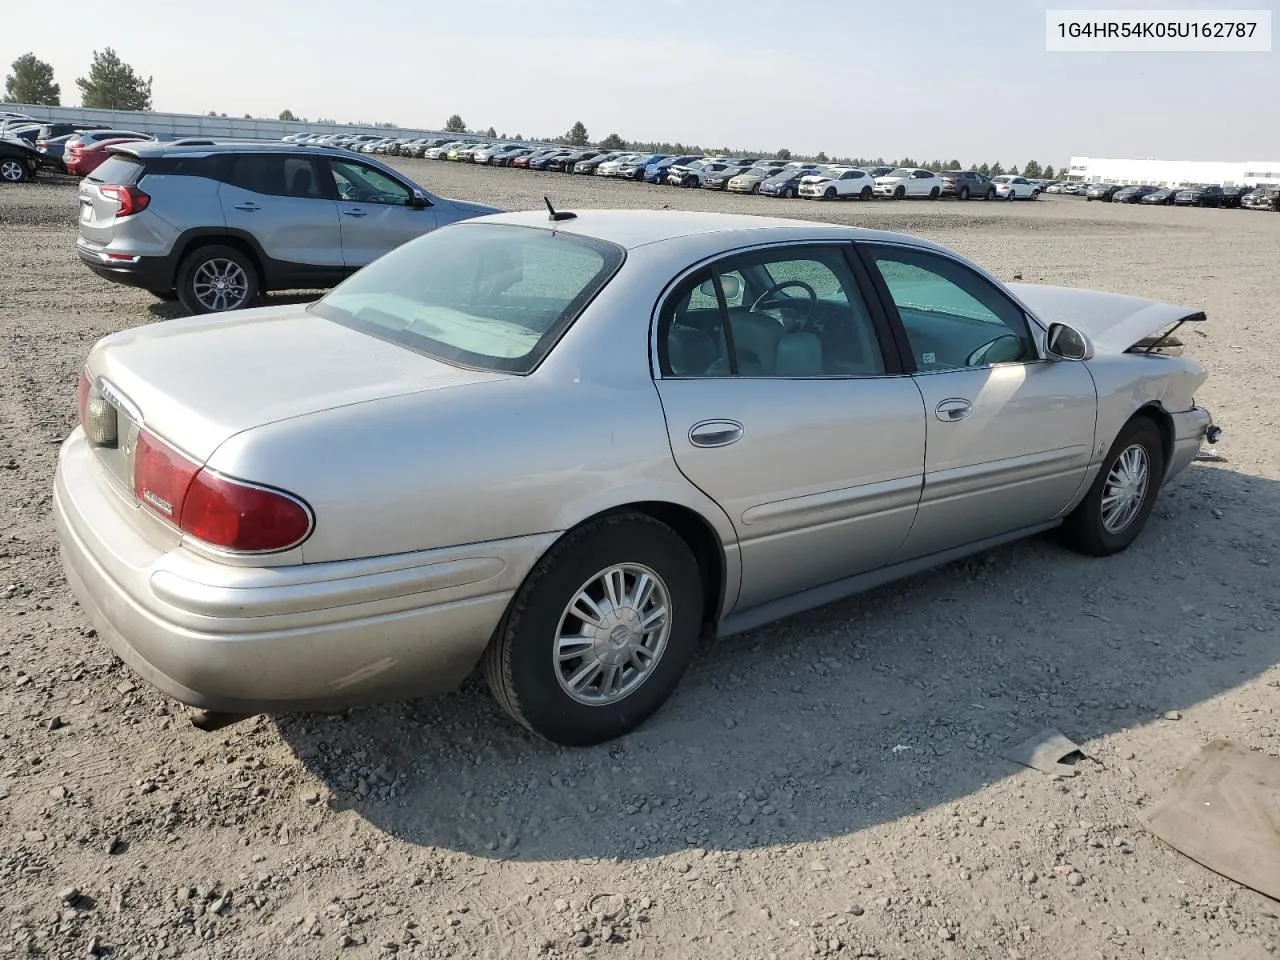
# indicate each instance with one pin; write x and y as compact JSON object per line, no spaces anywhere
{"x":1009,"y":187}
{"x":838,"y":182}
{"x":440,"y":152}
{"x":909,"y":182}
{"x":610,"y":167}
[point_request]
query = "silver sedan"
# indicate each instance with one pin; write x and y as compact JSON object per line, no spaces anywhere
{"x":564,"y":448}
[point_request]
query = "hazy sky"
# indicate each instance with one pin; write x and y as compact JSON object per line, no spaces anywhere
{"x":935,"y":79}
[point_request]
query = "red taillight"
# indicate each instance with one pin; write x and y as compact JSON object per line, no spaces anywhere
{"x":83,"y":396}
{"x":129,"y":200}
{"x":224,"y":513}
{"x":161,"y":476}
{"x":242,"y":517}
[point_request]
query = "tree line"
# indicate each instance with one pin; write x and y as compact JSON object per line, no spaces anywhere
{"x":109,"y":84}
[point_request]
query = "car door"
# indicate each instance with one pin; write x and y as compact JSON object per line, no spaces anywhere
{"x":377,"y":212}
{"x":280,"y":201}
{"x":918,"y":184}
{"x":782,"y":407}
{"x":1008,"y":435}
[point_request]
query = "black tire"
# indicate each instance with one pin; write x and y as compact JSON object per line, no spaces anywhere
{"x":964,"y":193}
{"x":935,"y":193}
{"x":1035,"y":195}
{"x":755,"y":188}
{"x":13,"y":170}
{"x":208,"y":255}
{"x":865,"y":194}
{"x":519,"y":663}
{"x":899,"y":192}
{"x":788,"y":192}
{"x":829,"y":193}
{"x":991,"y":193}
{"x":1084,"y":529}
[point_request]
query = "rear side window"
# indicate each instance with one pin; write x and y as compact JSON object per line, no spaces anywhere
{"x":273,"y":173}
{"x":117,"y":169}
{"x":488,"y":296}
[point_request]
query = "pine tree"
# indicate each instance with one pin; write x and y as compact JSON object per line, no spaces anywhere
{"x":32,"y":82}
{"x":112,"y":84}
{"x":1032,"y":170}
{"x":455,"y":124}
{"x":286,"y":115}
{"x":1049,"y":173}
{"x":577,"y":135}
{"x":613,"y":142}
{"x":984,"y":170}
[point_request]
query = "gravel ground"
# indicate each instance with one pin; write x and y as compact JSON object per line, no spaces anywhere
{"x":829,"y":786}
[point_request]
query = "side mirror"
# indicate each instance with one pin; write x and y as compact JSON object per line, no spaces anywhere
{"x":729,"y":283}
{"x":1067,"y":343}
{"x":418,"y":201}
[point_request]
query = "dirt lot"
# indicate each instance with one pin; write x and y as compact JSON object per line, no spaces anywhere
{"x":767,"y":810}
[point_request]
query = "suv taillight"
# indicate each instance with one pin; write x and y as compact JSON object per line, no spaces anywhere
{"x":129,"y":200}
{"x":216,"y":510}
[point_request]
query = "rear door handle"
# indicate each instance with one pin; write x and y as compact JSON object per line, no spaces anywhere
{"x":248,"y":205}
{"x":715,"y":433}
{"x":354,"y":212}
{"x":953,"y":409}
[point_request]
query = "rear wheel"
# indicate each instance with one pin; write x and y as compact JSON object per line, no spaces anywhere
{"x":964,"y":193}
{"x":215,"y":279}
{"x":935,"y":193}
{"x":13,"y":170}
{"x":1115,"y":509}
{"x":600,"y":633}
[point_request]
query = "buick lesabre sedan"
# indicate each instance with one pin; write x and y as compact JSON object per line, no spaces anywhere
{"x":564,"y":448}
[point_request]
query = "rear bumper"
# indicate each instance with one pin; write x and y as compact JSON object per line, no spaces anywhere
{"x":151,"y":273}
{"x":305,"y":636}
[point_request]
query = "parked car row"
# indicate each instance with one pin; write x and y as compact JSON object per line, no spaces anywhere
{"x":1246,"y":196}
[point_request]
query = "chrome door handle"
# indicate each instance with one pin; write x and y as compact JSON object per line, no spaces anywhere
{"x":354,"y":213}
{"x":248,"y":205}
{"x":715,"y":433}
{"x":953,"y":409}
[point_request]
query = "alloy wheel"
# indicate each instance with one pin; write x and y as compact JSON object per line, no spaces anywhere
{"x":612,"y":634}
{"x":220,"y":285}
{"x":11,"y":170}
{"x":1126,"y":488}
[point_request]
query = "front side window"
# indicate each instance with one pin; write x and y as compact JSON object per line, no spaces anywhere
{"x":953,"y":317}
{"x":792,"y":313}
{"x":359,"y":183}
{"x":487,"y":296}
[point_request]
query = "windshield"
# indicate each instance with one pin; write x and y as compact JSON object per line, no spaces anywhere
{"x":900,"y":172}
{"x":488,"y":296}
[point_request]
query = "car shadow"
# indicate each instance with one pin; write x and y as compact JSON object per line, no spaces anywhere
{"x":854,"y":714}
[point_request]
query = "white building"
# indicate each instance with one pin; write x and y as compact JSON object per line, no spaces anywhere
{"x":1174,"y":173}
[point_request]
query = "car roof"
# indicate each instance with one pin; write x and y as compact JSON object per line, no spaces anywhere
{"x":636,"y":228}
{"x":146,"y":149}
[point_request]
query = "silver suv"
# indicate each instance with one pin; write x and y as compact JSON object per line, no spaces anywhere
{"x":217,"y":224}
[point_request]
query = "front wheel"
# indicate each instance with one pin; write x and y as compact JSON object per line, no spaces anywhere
{"x":788,"y":193}
{"x":866,"y":193}
{"x":13,"y":170}
{"x":899,"y":193}
{"x":1115,"y":509}
{"x":600,"y":633}
{"x":215,"y":279}
{"x":829,"y":193}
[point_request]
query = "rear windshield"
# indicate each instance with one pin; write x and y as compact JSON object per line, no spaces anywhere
{"x":487,"y":296}
{"x":116,"y":169}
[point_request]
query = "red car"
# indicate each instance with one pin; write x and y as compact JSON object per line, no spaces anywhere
{"x":83,"y":153}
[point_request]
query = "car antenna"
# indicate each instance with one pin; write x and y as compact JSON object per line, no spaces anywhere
{"x":556,"y":217}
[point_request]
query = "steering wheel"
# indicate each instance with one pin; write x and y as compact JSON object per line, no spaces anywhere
{"x":1005,"y":348}
{"x":769,"y":299}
